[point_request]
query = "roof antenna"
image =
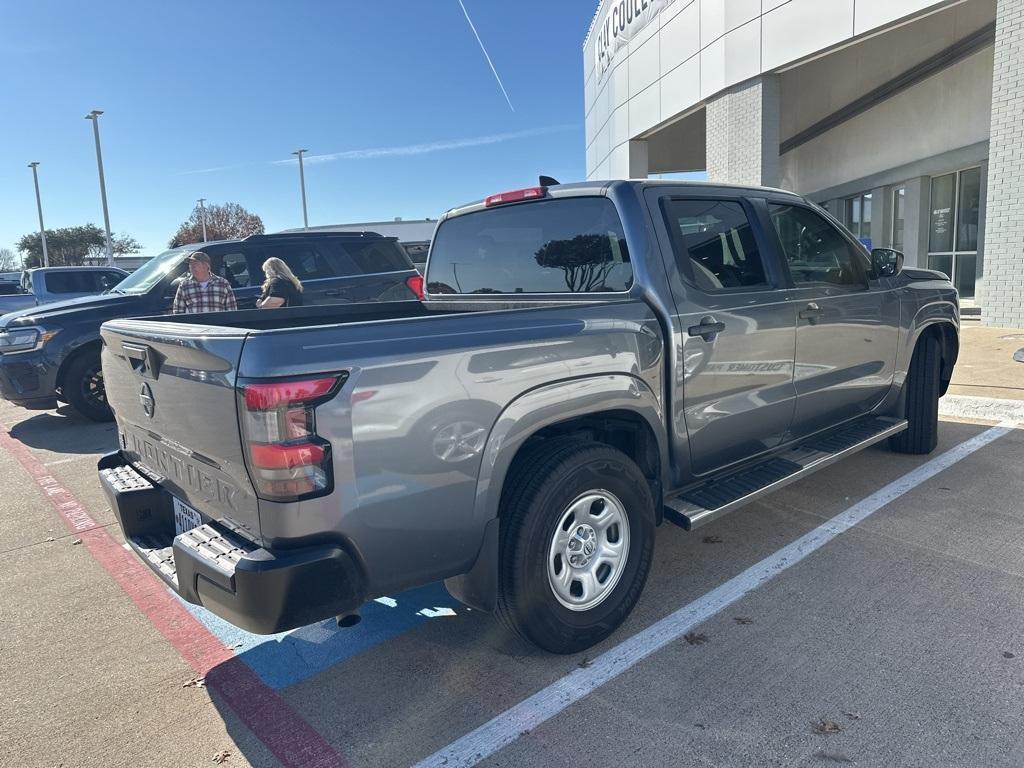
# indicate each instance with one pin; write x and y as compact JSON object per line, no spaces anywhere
{"x":547,"y":181}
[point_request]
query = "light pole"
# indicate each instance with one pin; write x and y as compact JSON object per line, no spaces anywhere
{"x":302,"y":184}
{"x":39,"y":207}
{"x":94,"y":116}
{"x":202,"y":215}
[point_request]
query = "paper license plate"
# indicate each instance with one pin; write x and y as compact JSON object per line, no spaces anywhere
{"x":185,"y":518}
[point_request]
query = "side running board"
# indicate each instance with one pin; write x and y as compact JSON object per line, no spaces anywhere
{"x":722,"y":494}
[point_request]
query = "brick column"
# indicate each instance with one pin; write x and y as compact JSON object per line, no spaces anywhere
{"x":1004,"y":206}
{"x":743,"y":133}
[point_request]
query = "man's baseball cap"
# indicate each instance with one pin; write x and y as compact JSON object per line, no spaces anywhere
{"x":199,"y":256}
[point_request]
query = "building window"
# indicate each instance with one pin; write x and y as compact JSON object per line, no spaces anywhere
{"x":953,"y":227}
{"x":899,"y":203}
{"x":858,"y":217}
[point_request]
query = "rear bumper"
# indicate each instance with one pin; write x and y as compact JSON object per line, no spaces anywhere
{"x":28,"y":379}
{"x":259,"y":590}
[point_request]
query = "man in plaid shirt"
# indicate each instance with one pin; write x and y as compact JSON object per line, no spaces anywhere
{"x":203,"y":291}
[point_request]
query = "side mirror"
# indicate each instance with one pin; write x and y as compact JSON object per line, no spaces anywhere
{"x":886,"y":262}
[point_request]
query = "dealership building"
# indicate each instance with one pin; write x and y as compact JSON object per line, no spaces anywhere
{"x":905,"y":118}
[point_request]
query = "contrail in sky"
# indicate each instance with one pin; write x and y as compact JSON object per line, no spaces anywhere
{"x":477,"y":35}
{"x":427,"y":148}
{"x":402,"y":150}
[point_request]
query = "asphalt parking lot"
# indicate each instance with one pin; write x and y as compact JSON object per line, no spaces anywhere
{"x":869,"y":615}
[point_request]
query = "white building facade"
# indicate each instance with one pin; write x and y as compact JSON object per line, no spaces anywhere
{"x":904,"y":117}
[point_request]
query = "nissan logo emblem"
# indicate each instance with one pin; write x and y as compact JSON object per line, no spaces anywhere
{"x":146,"y":398}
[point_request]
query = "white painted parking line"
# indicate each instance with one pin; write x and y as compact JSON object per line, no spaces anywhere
{"x":548,"y":702}
{"x":68,"y":460}
{"x":988,"y":408}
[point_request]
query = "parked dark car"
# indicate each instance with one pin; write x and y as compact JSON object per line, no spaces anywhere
{"x":52,"y":353}
{"x":591,"y":360}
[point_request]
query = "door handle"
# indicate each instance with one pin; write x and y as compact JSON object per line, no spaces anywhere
{"x":335,"y":293}
{"x":812,"y":312}
{"x":707,"y":329}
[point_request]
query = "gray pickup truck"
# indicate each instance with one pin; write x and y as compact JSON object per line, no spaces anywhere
{"x":591,"y":360}
{"x":45,"y":285}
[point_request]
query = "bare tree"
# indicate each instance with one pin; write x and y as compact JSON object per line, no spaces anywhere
{"x":223,"y":222}
{"x":8,"y":261}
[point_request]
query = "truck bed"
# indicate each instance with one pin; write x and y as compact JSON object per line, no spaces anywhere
{"x":341,"y":314}
{"x":423,"y":387}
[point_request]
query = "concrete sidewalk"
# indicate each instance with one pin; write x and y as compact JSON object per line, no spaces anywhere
{"x":986,"y":367}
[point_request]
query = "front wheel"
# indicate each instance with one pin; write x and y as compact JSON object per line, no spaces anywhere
{"x":922,"y":400}
{"x":83,"y":388}
{"x":577,"y":541}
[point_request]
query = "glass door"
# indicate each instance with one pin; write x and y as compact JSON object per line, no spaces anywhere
{"x":953,"y":227}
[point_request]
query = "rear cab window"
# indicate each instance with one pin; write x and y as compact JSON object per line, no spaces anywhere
{"x":74,"y":282}
{"x":556,"y":245}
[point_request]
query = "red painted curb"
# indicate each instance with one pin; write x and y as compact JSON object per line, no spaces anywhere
{"x":289,"y":738}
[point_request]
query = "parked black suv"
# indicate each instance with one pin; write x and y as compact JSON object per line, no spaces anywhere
{"x":50,"y":354}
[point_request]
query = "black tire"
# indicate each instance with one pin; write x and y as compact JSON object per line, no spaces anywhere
{"x":83,"y":387}
{"x":541,"y":487}
{"x":922,"y":400}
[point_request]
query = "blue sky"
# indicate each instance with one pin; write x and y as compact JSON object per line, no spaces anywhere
{"x":187,"y":87}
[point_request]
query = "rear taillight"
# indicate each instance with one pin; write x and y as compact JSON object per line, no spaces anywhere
{"x":287,"y":459}
{"x":415,"y":284}
{"x":515,"y":196}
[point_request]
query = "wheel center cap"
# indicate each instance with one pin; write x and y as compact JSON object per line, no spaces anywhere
{"x":582,"y":546}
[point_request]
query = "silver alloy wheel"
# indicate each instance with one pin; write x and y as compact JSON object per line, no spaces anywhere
{"x":588,"y":551}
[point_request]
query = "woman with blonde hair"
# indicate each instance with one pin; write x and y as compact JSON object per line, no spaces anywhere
{"x":281,"y":288}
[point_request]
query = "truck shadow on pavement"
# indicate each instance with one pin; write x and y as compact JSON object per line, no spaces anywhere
{"x":403,"y":683}
{"x":65,"y":431}
{"x":426,"y":618}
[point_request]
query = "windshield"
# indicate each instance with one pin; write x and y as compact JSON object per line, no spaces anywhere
{"x":153,"y":271}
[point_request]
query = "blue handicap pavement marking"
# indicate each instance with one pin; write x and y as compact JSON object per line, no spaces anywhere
{"x":290,"y":657}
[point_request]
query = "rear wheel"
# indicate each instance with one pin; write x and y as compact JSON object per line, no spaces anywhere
{"x":922,"y":400}
{"x":577,"y":541}
{"x":83,"y":387}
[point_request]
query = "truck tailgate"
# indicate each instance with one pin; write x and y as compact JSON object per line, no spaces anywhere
{"x":172,"y":389}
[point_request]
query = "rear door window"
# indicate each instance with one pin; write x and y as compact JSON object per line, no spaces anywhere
{"x":562,"y":245}
{"x":377,"y":256}
{"x":714,"y":245}
{"x":308,"y":262}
